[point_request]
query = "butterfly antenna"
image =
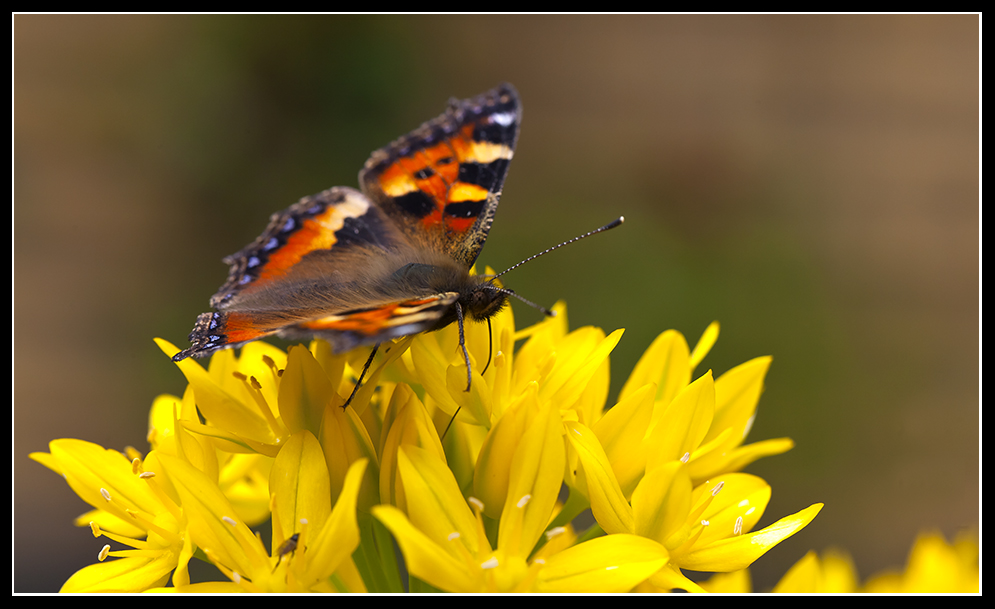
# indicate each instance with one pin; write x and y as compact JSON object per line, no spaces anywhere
{"x":608,"y":226}
{"x":541,"y":308}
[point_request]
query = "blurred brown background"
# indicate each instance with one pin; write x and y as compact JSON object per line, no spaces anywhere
{"x":809,"y":181}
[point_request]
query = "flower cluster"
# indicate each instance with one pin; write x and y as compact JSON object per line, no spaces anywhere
{"x":479,"y":488}
{"x":934,"y":566}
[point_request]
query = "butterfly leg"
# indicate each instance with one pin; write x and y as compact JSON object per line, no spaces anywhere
{"x":462,"y":344}
{"x":490,"y":347}
{"x":466,"y":358}
{"x":362,"y":375}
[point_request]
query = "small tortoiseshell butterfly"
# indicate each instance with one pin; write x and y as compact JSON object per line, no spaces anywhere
{"x":359,"y":268}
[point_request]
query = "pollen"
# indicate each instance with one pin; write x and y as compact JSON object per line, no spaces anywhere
{"x":229,"y":520}
{"x":523,"y":501}
{"x":737,"y":529}
{"x":104,"y":551}
{"x":105,"y":494}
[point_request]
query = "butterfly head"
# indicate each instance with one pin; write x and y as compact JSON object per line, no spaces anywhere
{"x":484,"y":299}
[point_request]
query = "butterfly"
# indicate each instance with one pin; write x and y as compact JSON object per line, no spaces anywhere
{"x":363,"y":267}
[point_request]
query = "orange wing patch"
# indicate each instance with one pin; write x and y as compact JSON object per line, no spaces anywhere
{"x":372,"y":322}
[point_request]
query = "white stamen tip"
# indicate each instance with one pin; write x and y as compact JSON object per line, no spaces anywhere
{"x":453,"y":535}
{"x":705,"y":523}
{"x":737,"y":529}
{"x":146,"y":475}
{"x":104,"y":551}
{"x":228,"y":520}
{"x":235,"y":577}
{"x":105,"y":494}
{"x":303,"y":520}
{"x":553,"y":532}
{"x":523,"y":501}
{"x":490,"y":563}
{"x":718,"y":487}
{"x":685,"y":457}
{"x":477,"y":503}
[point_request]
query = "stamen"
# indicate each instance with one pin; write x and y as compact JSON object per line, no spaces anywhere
{"x":737,"y":529}
{"x":95,"y":529}
{"x":104,"y":551}
{"x":490,"y":563}
{"x":718,"y":487}
{"x":476,"y":503}
{"x":453,"y":535}
{"x":523,"y":501}
{"x":105,"y":494}
{"x":136,"y":465}
{"x":705,"y":523}
{"x":553,"y":532}
{"x":229,"y":521}
{"x":146,"y":475}
{"x":685,"y":457}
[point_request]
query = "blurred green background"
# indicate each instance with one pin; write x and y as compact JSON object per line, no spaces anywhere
{"x":809,"y":181}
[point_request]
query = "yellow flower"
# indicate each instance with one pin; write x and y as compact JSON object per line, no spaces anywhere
{"x":705,"y":528}
{"x":446,"y":544}
{"x":832,"y":574}
{"x":934,"y":566}
{"x":474,"y":506}
{"x":661,"y":415}
{"x":132,"y":508}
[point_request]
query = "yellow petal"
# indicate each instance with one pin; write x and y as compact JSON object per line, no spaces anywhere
{"x":679,"y":427}
{"x":661,"y":502}
{"x":705,"y":343}
{"x":304,"y":392}
{"x":425,"y":559}
{"x":613,"y":563}
{"x":666,"y":364}
{"x":739,"y":552}
{"x":608,"y":504}
{"x":493,"y":467}
{"x":737,"y":393}
{"x":535,"y":479}
{"x":130,"y":574}
{"x":334,"y":543}
{"x":220,"y":408}
{"x":622,"y":431}
{"x":299,"y":484}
